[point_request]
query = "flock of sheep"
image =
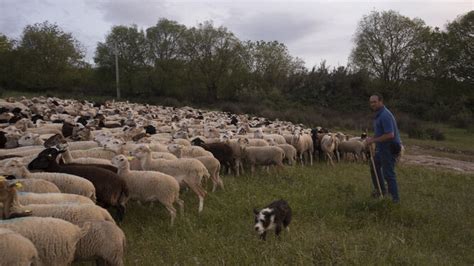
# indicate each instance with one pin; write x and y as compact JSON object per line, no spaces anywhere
{"x":73,"y":160}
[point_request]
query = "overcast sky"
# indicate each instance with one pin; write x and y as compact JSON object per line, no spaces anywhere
{"x":312,"y":30}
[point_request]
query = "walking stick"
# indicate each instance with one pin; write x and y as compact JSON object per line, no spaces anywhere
{"x":375,"y":171}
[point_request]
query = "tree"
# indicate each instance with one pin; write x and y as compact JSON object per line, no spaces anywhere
{"x":211,"y":54}
{"x":46,"y":55}
{"x":459,"y":48}
{"x":384,"y":46}
{"x":130,"y":44}
{"x":164,"y":47}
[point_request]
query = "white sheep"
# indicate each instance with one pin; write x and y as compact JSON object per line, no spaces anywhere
{"x":304,"y":145}
{"x":213,"y":166}
{"x":328,"y":146}
{"x":30,"y":139}
{"x":16,"y":249}
{"x":185,"y":170}
{"x":26,"y":198}
{"x":94,"y":153}
{"x":84,"y":160}
{"x":66,"y":183}
{"x":290,"y":152}
{"x":357,"y":148}
{"x":181,"y":151}
{"x":105,"y":241}
{"x":73,"y":213}
{"x":266,"y":155}
{"x":54,"y":239}
{"x":150,"y":186}
{"x":38,"y":186}
{"x":236,"y":146}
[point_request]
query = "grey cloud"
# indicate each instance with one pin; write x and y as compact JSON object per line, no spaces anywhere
{"x":140,"y":12}
{"x":281,"y":26}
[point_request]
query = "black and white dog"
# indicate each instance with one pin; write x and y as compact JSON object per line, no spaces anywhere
{"x":275,"y":215}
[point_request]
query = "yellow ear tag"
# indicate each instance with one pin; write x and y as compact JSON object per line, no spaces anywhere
{"x":130,"y":158}
{"x":18,"y":185}
{"x":2,"y":178}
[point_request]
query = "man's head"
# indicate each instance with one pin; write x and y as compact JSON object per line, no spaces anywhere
{"x":376,"y":102}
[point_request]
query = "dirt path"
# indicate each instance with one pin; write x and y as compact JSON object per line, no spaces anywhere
{"x":419,"y":156}
{"x":438,"y":162}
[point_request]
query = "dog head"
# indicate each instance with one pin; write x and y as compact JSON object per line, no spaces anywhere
{"x":264,"y":220}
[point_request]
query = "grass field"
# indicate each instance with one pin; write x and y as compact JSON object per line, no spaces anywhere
{"x":335,"y":221}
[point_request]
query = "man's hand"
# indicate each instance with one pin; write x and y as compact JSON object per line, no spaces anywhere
{"x":369,"y":140}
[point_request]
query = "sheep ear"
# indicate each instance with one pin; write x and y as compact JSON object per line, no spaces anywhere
{"x":255,"y":211}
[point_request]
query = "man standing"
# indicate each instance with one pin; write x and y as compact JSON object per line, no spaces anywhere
{"x":387,"y":148}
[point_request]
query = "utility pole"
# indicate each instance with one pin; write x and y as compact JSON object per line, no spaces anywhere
{"x":117,"y":72}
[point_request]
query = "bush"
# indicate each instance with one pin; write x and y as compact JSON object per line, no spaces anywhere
{"x":463,"y":119}
{"x":435,"y":134}
{"x":415,"y":130}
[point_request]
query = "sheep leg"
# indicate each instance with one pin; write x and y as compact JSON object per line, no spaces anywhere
{"x":172,"y":212}
{"x":180,"y":204}
{"x":330,"y":159}
{"x":252,"y":169}
{"x":310,"y":157}
{"x":200,"y":192}
{"x":219,"y":181}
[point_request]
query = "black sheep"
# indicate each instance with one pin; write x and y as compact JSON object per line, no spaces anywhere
{"x":221,"y":151}
{"x":111,"y":190}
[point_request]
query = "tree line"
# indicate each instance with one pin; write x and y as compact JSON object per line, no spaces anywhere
{"x":423,"y":71}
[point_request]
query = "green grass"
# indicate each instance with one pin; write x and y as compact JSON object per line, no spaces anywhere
{"x":335,"y":221}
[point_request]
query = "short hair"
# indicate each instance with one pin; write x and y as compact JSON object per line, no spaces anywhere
{"x":379,"y":97}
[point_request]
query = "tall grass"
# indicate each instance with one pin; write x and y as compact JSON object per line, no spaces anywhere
{"x":335,"y":221}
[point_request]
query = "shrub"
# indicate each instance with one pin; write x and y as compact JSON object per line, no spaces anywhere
{"x":463,"y":119}
{"x":435,"y":134}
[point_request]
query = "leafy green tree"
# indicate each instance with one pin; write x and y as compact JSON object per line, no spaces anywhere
{"x":46,"y":55}
{"x":211,"y":54}
{"x":164,"y":47}
{"x":384,"y":46}
{"x":459,"y":49}
{"x":130,"y":45}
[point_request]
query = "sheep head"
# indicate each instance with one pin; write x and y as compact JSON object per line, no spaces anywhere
{"x":121,"y":162}
{"x":13,"y":167}
{"x":28,"y":139}
{"x":44,"y":159}
{"x":141,"y":151}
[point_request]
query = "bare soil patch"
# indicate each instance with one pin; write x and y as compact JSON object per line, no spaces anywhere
{"x":419,"y":156}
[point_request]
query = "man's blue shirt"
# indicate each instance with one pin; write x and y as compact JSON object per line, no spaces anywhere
{"x":385,"y":123}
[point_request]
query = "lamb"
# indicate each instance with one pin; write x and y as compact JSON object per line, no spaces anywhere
{"x":304,"y":145}
{"x":54,"y":239}
{"x":150,"y":186}
{"x":269,"y":155}
{"x":105,"y":241}
{"x":187,"y":171}
{"x":16,"y":249}
{"x":110,"y":189}
{"x":65,"y":182}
